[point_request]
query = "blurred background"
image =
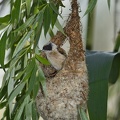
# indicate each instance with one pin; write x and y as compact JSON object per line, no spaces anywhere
{"x":99,"y":32}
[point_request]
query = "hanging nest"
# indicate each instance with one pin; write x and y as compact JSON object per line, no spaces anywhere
{"x":69,"y":88}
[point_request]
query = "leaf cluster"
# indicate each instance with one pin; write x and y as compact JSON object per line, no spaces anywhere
{"x":20,"y":34}
{"x":92,"y":4}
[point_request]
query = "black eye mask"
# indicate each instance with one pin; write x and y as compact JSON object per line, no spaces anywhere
{"x":47,"y":47}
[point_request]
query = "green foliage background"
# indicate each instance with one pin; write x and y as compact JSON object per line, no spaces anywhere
{"x":20,"y":36}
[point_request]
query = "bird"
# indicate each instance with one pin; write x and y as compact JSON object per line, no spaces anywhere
{"x":55,"y":55}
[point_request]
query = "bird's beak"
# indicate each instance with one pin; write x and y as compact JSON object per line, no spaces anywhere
{"x":40,"y":50}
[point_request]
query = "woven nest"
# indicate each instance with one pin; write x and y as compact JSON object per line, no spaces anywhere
{"x":69,"y":87}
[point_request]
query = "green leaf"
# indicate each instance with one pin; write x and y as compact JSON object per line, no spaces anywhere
{"x":28,"y":22}
{"x":10,"y":88}
{"x":2,"y":49}
{"x":5,"y":19}
{"x":28,"y":70}
{"x":17,"y":10}
{"x":108,"y":1}
{"x":115,"y":68}
{"x":16,"y":91}
{"x":101,"y":69}
{"x":39,"y":28}
{"x":42,"y":79}
{"x":5,"y":78}
{"x":20,"y":110}
{"x":17,"y":105}
{"x":51,"y":33}
{"x":11,"y":81}
{"x":34,"y":112}
{"x":3,"y":91}
{"x":82,"y":114}
{"x":55,"y":8}
{"x":53,"y":16}
{"x":22,"y":42}
{"x":47,"y":19}
{"x":117,"y":44}
{"x":58,"y":25}
{"x":3,"y":104}
{"x":18,"y":57}
{"x":32,"y":80}
{"x":3,"y":25}
{"x":91,"y":6}
{"x":28,"y":110}
{"x":28,"y":6}
{"x":42,"y":60}
{"x":19,"y":74}
{"x":36,"y":88}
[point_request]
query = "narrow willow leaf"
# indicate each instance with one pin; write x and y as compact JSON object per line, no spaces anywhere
{"x":3,"y":25}
{"x":115,"y":69}
{"x":55,"y":8}
{"x":6,"y":65}
{"x":51,"y":33}
{"x":17,"y":6}
{"x":13,"y":15}
{"x":28,"y":6}
{"x":20,"y":110}
{"x":32,"y":80}
{"x":6,"y":114}
{"x":34,"y":112}
{"x":2,"y":49}
{"x":10,"y":88}
{"x":22,"y":42}
{"x":11,"y":40}
{"x":42,"y":79}
{"x":36,"y":88}
{"x":82,"y":114}
{"x":28,"y":22}
{"x":15,"y":12}
{"x":3,"y":92}
{"x":29,"y":69}
{"x":25,"y":60}
{"x":18,"y":56}
{"x":30,"y":66}
{"x":11,"y":81}
{"x":26,"y":77}
{"x":39,"y":28}
{"x":58,"y":25}
{"x":16,"y":91}
{"x":19,"y":74}
{"x":91,"y":6}
{"x":47,"y":20}
{"x":117,"y":44}
{"x":108,"y":1}
{"x":17,"y":105}
{"x":5,"y":19}
{"x":53,"y":16}
{"x":3,"y":104}
{"x":28,"y":110}
{"x":42,"y":60}
{"x":5,"y":78}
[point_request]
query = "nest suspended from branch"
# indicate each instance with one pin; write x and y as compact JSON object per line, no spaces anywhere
{"x":69,"y":87}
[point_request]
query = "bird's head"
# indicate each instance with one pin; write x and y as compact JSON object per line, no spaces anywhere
{"x":49,"y":47}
